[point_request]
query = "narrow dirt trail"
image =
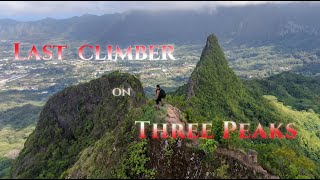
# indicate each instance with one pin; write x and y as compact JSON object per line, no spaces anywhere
{"x":174,"y":116}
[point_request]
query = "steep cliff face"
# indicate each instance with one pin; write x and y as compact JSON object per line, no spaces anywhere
{"x":213,"y":82}
{"x":120,"y":154}
{"x":86,"y":132}
{"x":74,"y":119}
{"x":212,"y":70}
{"x":215,"y":94}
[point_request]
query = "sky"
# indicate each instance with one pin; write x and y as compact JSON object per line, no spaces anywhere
{"x":32,"y":10}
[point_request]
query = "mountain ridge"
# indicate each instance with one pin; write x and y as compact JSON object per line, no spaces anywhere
{"x":233,"y":25}
{"x":72,"y":120}
{"x":93,"y":136}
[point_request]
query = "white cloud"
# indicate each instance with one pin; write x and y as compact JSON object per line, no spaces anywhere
{"x":60,"y":9}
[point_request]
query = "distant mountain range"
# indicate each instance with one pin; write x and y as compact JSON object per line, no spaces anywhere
{"x":86,"y":132}
{"x":294,"y":25}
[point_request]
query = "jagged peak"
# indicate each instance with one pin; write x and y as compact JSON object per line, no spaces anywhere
{"x":212,"y":39}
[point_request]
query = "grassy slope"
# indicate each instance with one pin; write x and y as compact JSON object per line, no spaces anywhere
{"x":298,"y":158}
{"x":119,"y":153}
{"x":220,"y":95}
{"x":16,"y":124}
{"x":298,"y":91}
{"x":72,"y":120}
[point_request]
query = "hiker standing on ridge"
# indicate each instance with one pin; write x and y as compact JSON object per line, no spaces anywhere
{"x":160,"y":94}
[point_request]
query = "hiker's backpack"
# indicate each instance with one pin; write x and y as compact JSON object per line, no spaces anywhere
{"x":162,"y":93}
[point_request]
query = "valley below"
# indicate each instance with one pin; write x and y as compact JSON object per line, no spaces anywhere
{"x":26,"y":87}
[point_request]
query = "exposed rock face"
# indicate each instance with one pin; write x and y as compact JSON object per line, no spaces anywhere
{"x":245,"y":162}
{"x":168,"y":158}
{"x":72,"y":120}
{"x":179,"y":158}
{"x":252,"y":156}
{"x":86,"y":132}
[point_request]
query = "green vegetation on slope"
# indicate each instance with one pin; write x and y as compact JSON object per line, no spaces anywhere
{"x":16,"y":124}
{"x":84,"y":132}
{"x":291,"y":159}
{"x":19,"y":117}
{"x":73,"y":120}
{"x":119,"y":153}
{"x":298,"y":91}
{"x":214,"y":93}
{"x":213,"y":83}
{"x":5,"y":164}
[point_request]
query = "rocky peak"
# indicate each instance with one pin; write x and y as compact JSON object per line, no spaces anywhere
{"x":73,"y":119}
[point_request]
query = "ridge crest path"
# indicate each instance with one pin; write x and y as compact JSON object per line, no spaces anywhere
{"x":174,"y":116}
